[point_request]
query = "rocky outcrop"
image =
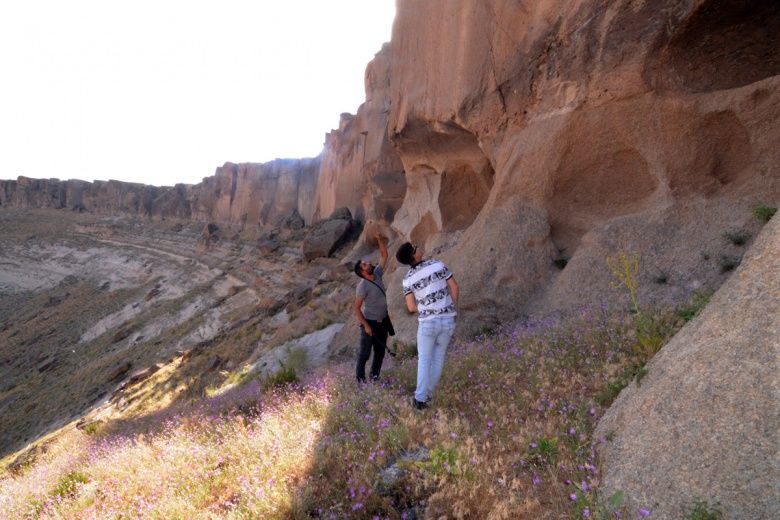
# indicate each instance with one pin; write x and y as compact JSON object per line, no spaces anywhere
{"x":250,"y":195}
{"x":360,"y":168}
{"x":104,"y":197}
{"x":513,"y":138}
{"x":327,"y":235}
{"x":257,"y":195}
{"x":574,"y":130}
{"x":703,"y":423}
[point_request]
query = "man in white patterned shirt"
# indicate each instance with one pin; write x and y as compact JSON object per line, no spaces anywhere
{"x":431,"y":291}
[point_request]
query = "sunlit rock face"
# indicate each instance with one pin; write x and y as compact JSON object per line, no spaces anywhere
{"x":532,"y":131}
{"x":101,"y":197}
{"x":513,"y":137}
{"x":360,"y":168}
{"x":256,"y":194}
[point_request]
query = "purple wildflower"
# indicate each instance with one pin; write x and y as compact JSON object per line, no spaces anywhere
{"x":586,"y":512}
{"x":572,"y":496}
{"x":533,"y":445}
{"x":644,"y":512}
{"x":536,"y":479}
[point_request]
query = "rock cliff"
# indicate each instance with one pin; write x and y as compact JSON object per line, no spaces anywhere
{"x":538,"y":131}
{"x":515,"y":138}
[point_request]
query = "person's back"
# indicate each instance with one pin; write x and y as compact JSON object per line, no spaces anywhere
{"x":431,"y":291}
{"x":428,"y":281}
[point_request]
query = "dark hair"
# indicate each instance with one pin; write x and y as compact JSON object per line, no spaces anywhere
{"x":358,"y":269}
{"x":405,"y":253}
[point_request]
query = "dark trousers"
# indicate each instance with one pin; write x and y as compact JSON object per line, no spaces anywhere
{"x":378,"y":342}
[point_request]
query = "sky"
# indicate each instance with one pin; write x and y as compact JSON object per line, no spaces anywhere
{"x":163,"y":92}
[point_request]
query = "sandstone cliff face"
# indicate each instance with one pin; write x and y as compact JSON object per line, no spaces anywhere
{"x":510,"y":134}
{"x":238,"y":195}
{"x":360,"y":168}
{"x":256,"y":195}
{"x":535,"y":130}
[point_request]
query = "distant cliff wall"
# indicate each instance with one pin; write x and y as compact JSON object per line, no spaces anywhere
{"x":238,"y":195}
{"x":524,"y":141}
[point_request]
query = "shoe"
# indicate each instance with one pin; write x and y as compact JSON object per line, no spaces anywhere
{"x":419,"y":405}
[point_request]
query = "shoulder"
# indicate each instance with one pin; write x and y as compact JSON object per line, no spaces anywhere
{"x":361,"y":287}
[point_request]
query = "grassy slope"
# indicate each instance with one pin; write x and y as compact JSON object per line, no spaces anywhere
{"x":509,"y":436}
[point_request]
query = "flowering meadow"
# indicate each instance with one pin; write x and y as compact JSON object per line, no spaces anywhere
{"x":509,"y":434}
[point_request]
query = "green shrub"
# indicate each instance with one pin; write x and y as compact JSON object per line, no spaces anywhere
{"x":68,"y":485}
{"x":728,"y":263}
{"x":283,"y":377}
{"x":701,"y":510}
{"x":544,"y":451}
{"x":764,"y":213}
{"x":738,"y":238}
{"x":486,"y":331}
{"x":443,"y":461}
{"x":687,"y":311}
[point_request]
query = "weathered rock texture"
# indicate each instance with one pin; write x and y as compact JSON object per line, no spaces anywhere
{"x":503,"y":135}
{"x":536,"y":130}
{"x":704,"y":422}
{"x":239,"y":195}
{"x":360,"y":168}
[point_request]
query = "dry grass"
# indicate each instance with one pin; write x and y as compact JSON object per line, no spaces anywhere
{"x":508,"y":436}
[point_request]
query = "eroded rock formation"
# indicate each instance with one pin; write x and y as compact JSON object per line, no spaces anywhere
{"x":536,"y":130}
{"x":513,"y":137}
{"x":711,"y":434}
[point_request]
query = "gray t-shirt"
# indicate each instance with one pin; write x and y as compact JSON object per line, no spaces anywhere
{"x":374,"y":302}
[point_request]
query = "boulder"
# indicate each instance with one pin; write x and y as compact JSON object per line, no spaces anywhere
{"x":704,"y":422}
{"x":119,"y":371}
{"x":341,"y":214}
{"x":325,"y":237}
{"x":292,"y":220}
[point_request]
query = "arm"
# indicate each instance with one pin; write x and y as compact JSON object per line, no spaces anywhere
{"x":360,"y":317}
{"x":382,"y":250}
{"x":454,"y":290}
{"x":411,"y":304}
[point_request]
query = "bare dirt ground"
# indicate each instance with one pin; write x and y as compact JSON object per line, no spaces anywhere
{"x":106,"y":317}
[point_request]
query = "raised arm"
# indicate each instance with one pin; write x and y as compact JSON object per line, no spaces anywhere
{"x":382,"y":250}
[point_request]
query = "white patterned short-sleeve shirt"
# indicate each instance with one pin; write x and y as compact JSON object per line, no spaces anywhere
{"x":428,"y":281}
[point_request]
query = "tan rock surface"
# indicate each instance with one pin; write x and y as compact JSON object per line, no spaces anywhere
{"x":582,"y":118}
{"x":704,"y":422}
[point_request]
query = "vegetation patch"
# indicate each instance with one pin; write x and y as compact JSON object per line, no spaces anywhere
{"x":764,"y":213}
{"x":738,"y":238}
{"x":728,"y":263}
{"x":701,"y":510}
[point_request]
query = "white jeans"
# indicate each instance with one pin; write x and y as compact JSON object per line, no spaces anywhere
{"x":433,"y":337}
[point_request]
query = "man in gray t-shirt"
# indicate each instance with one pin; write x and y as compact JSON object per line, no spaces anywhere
{"x":371,"y":311}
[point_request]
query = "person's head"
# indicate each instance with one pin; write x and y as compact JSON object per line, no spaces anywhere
{"x":363,"y":268}
{"x":409,"y":254}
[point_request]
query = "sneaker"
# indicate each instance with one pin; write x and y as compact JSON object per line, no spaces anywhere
{"x":419,"y":405}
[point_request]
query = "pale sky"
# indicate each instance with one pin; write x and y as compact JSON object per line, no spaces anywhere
{"x":165,"y":91}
